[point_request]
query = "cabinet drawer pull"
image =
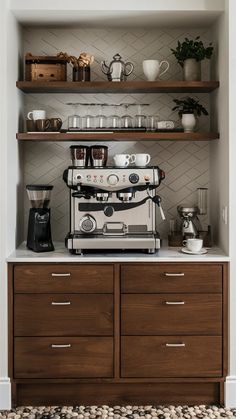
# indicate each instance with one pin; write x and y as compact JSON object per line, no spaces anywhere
{"x":61,"y":346}
{"x":63,"y":303}
{"x":65,"y":274}
{"x":175,"y":345}
{"x":174,"y":303}
{"x":174,"y":274}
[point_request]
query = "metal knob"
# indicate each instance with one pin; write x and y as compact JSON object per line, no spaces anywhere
{"x":112,"y":179}
{"x":87,"y":224}
{"x":108,"y":210}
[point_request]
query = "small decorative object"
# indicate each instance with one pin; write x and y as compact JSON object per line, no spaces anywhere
{"x":188,"y":108}
{"x":81,"y":65}
{"x":151,"y":69}
{"x":45,"y":68}
{"x":189,"y":55}
{"x":117,"y":69}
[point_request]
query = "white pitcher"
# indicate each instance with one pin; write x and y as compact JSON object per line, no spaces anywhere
{"x":152,"y":68}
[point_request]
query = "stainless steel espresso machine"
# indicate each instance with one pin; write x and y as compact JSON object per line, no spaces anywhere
{"x":113,"y":208}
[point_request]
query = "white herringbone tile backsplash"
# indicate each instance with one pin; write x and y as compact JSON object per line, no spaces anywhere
{"x":186,"y":164}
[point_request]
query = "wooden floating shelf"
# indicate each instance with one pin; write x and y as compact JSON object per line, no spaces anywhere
{"x":119,"y":136}
{"x":161,"y":86}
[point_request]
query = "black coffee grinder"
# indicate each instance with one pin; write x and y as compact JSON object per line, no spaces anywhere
{"x":39,"y":228}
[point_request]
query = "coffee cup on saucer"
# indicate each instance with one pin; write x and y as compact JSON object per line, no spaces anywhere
{"x":193,"y":245}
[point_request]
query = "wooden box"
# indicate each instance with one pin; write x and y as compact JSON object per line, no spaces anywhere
{"x":45,"y":68}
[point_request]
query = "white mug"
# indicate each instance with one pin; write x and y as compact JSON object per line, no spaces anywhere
{"x":122,"y":160}
{"x":141,"y":159}
{"x":151,"y":68}
{"x":193,"y":245}
{"x":36,"y":114}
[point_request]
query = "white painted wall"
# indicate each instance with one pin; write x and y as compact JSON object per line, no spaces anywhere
{"x":4,"y":382}
{"x":9,"y":175}
{"x":219,"y":150}
{"x":231,"y":381}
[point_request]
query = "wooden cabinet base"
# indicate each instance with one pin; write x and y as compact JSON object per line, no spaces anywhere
{"x":119,"y":393}
{"x":114,"y":333}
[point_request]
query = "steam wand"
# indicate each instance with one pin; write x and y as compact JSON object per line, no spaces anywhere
{"x":157,"y":200}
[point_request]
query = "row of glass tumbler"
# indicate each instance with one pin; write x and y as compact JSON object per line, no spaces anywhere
{"x":76,"y":122}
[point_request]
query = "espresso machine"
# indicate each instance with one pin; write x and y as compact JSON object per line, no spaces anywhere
{"x":39,"y":227}
{"x":113,"y":208}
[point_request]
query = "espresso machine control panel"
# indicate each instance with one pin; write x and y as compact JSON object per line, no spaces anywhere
{"x":113,"y":179}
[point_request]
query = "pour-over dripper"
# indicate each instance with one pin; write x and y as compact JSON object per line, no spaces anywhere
{"x":39,"y":195}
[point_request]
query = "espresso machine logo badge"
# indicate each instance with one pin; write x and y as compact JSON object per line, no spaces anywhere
{"x":39,"y":228}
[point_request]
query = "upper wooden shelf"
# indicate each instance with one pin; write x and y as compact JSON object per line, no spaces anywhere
{"x":161,"y":86}
{"x":119,"y":136}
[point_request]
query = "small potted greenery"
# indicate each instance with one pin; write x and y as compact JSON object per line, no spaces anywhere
{"x":188,"y":108}
{"x":189,"y":55}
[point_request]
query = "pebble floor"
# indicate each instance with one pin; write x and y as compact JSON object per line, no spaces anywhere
{"x":117,"y":412}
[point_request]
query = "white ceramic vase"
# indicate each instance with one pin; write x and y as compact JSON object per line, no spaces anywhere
{"x":188,"y":122}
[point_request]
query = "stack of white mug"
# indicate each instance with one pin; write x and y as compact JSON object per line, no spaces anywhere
{"x":140,"y":160}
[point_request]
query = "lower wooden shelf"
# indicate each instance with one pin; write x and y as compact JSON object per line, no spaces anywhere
{"x":118,"y":136}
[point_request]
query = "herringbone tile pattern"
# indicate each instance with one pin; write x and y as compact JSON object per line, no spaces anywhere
{"x":186,"y":164}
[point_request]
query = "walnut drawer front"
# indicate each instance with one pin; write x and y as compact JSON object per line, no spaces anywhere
{"x":171,"y":356}
{"x":171,"y":314}
{"x":171,"y":277}
{"x":63,"y":278}
{"x":63,"y":357}
{"x":63,"y":315}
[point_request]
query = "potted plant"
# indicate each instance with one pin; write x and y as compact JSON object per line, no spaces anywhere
{"x":189,"y":55}
{"x":188,"y":108}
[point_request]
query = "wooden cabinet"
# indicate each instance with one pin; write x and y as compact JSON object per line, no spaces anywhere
{"x":63,"y":315}
{"x":111,"y":330}
{"x":171,"y":314}
{"x":63,"y":357}
{"x":172,"y":356}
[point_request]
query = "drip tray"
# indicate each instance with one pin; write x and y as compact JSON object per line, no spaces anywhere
{"x":78,"y":243}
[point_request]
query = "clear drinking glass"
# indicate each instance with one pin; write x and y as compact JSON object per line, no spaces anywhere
{"x":74,"y":120}
{"x":152,"y":121}
{"x":101,"y":119}
{"x":140,"y":121}
{"x":126,"y":121}
{"x":202,"y":200}
{"x":88,"y":120}
{"x":114,"y":122}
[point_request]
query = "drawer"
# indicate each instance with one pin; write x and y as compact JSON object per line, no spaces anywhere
{"x":171,"y":314}
{"x":60,"y":278}
{"x":171,"y":277}
{"x":63,"y":357}
{"x":158,"y":356}
{"x":63,"y":315}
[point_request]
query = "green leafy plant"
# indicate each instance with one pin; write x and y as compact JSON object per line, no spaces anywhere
{"x":189,"y":105}
{"x":192,"y":48}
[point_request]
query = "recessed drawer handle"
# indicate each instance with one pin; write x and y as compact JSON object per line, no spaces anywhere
{"x":61,"y":346}
{"x":175,"y":345}
{"x":174,"y":303}
{"x":174,"y":274}
{"x":63,"y":303}
{"x":66,"y":274}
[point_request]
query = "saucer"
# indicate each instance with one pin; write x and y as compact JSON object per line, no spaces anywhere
{"x":189,"y":252}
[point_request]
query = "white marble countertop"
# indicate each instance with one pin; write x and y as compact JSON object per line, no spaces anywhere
{"x":165,"y":254}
